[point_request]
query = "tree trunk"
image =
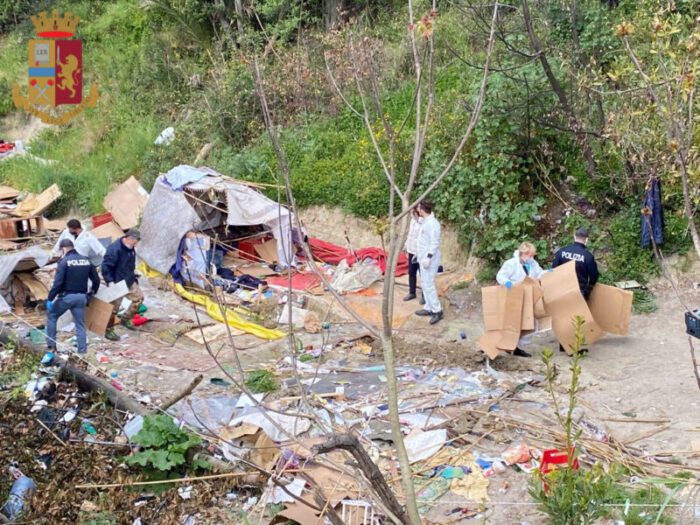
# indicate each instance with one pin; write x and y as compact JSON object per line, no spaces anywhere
{"x":687,"y":205}
{"x":591,"y":167}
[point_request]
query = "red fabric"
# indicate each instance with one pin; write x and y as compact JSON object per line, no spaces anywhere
{"x":333,"y":254}
{"x":300,"y":281}
{"x":7,"y":146}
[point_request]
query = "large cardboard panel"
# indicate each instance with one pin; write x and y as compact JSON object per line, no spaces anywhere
{"x":108,"y":230}
{"x":563,"y":301}
{"x":97,"y":316}
{"x":493,"y":300}
{"x":126,"y":203}
{"x":611,"y":308}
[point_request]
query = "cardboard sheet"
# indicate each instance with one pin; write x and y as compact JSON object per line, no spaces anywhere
{"x":267,"y":251}
{"x":611,"y":308}
{"x":109,"y":294}
{"x":97,"y":316}
{"x":36,"y":288}
{"x":8,"y":193}
{"x":563,"y":301}
{"x":108,"y":230}
{"x":126,"y":203}
{"x":37,"y":204}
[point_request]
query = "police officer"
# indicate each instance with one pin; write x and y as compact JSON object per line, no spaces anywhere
{"x":119,"y":264}
{"x":586,"y":267}
{"x":70,"y":292}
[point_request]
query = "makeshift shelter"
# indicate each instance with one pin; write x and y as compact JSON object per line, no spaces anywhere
{"x":200,"y":199}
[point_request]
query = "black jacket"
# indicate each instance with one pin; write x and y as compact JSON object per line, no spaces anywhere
{"x":72,"y":276}
{"x":119,"y":264}
{"x":586,"y":267}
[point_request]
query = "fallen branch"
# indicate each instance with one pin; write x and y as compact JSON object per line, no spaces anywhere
{"x":351,"y":444}
{"x":182,"y":394}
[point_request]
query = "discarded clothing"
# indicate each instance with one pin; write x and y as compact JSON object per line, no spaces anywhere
{"x":652,"y":214}
{"x":333,"y":254}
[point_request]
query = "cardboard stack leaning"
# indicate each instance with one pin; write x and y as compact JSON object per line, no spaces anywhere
{"x":554,"y":302}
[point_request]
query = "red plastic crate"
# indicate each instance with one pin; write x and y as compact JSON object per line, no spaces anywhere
{"x":554,"y":459}
{"x":99,"y":220}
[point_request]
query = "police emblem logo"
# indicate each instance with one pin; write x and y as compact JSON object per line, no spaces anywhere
{"x":55,"y":71}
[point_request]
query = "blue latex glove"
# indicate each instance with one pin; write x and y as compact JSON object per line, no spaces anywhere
{"x":509,"y":285}
{"x":49,"y":305}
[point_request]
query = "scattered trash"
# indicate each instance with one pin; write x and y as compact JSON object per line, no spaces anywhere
{"x":165,"y":137}
{"x":185,"y":492}
{"x":89,"y":428}
{"x":422,"y":445}
{"x":519,"y":453}
{"x":22,"y":489}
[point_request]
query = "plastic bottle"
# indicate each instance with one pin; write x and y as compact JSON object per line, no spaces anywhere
{"x":21,"y":491}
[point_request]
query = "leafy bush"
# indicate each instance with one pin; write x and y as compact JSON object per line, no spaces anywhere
{"x":165,"y":448}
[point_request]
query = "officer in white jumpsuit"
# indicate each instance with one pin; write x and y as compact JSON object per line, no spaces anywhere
{"x":428,"y":254}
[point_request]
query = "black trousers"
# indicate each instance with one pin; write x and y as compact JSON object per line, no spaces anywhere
{"x":413,"y":267}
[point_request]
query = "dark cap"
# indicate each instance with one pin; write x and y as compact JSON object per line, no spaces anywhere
{"x":582,"y":233}
{"x":133,"y":232}
{"x":65,"y":243}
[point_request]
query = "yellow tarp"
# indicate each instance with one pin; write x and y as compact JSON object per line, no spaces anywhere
{"x":215,"y":311}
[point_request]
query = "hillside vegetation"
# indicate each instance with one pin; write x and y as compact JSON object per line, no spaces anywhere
{"x":568,"y":140}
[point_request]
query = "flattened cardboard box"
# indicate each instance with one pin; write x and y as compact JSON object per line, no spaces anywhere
{"x":563,"y":301}
{"x":126,"y":203}
{"x":97,"y":316}
{"x":108,"y":230}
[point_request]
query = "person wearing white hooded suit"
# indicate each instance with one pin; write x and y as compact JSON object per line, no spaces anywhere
{"x":428,"y":254}
{"x":514,"y":271}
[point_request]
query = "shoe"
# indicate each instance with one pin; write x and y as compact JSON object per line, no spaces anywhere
{"x":410,"y":297}
{"x":521,"y":353}
{"x":424,"y":313}
{"x":111,"y":335}
{"x":436,"y":318}
{"x":422,"y":299}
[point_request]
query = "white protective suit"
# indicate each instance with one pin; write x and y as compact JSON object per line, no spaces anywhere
{"x":429,"y":243}
{"x":86,"y":244}
{"x":512,"y":270}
